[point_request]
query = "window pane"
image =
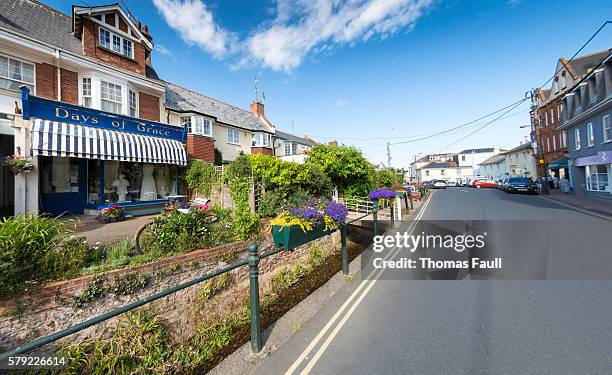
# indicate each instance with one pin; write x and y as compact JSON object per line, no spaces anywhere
{"x":27,"y":72}
{"x":207,"y":127}
{"x":116,"y":43}
{"x":14,"y":69}
{"x":4,"y":67}
{"x":127,"y":48}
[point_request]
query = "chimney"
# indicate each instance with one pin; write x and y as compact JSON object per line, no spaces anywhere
{"x":257,"y":108}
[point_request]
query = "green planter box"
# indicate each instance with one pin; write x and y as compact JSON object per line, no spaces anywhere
{"x":291,"y":237}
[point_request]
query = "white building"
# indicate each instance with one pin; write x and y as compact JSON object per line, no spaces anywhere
{"x":474,"y":157}
{"x":289,"y":147}
{"x":519,"y":161}
{"x":448,"y":171}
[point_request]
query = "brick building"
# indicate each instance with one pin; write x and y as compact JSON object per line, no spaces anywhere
{"x":554,"y":140}
{"x":89,"y":115}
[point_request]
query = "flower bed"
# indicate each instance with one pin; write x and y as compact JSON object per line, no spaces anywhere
{"x":111,"y":214}
{"x":295,"y":226}
{"x":19,"y":164}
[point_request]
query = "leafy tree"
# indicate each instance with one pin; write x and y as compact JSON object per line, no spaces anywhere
{"x":200,"y":176}
{"x":348,"y":169}
{"x":386,"y":178}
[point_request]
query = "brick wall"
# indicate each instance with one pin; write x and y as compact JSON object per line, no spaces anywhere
{"x":261,"y":150}
{"x":148,"y":106}
{"x":91,"y":49}
{"x":548,"y":131}
{"x":46,"y":81}
{"x":201,"y":147}
{"x":70,"y":86}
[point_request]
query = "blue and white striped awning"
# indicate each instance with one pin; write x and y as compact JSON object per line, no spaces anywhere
{"x":50,"y":138}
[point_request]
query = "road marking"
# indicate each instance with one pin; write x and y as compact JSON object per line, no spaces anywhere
{"x":607,"y":218}
{"x":338,"y":313}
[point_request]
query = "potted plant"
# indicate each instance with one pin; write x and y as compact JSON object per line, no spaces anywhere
{"x":382,"y":196}
{"x":401,"y":192}
{"x":295,"y":226}
{"x":18,"y":163}
{"x":111,"y":214}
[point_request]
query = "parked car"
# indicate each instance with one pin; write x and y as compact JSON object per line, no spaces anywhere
{"x":521,"y":185}
{"x":439,"y":184}
{"x":502,"y":184}
{"x":473,"y":182}
{"x":485,"y":183}
{"x":451,"y":183}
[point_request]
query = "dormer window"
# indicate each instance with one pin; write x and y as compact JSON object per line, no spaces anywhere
{"x":116,"y":43}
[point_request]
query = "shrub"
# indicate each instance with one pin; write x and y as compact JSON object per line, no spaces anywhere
{"x":36,"y":249}
{"x":200,"y":176}
{"x":175,"y":232}
{"x":269,"y":203}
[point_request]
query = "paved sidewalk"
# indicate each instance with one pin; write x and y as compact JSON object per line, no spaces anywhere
{"x":94,"y":231}
{"x":597,"y":205}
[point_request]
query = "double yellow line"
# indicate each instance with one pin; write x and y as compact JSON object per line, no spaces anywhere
{"x":358,"y":295}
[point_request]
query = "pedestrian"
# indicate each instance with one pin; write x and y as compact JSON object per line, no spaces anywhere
{"x":565,"y":185}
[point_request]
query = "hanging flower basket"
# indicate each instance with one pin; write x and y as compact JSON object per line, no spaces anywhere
{"x":19,"y":164}
{"x":314,"y":219}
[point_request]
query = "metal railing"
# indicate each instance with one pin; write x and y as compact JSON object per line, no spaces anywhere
{"x":252,"y":262}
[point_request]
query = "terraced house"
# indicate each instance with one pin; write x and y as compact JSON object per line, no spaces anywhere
{"x":80,"y":96}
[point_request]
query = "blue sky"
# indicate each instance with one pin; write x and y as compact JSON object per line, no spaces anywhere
{"x":376,"y":70}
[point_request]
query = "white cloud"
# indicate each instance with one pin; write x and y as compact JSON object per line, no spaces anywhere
{"x":163,"y":50}
{"x":304,"y":26}
{"x":341,"y":103}
{"x":196,"y":25}
{"x":300,"y":28}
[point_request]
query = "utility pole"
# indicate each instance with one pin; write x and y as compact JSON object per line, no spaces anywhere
{"x":535,"y":127}
{"x":389,"y":154}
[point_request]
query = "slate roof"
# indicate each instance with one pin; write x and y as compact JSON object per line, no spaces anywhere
{"x":41,"y":22}
{"x":180,"y":99}
{"x":519,"y":147}
{"x":477,"y":150}
{"x":294,"y":138}
{"x":582,"y":65}
{"x":440,"y":165}
{"x":495,"y":159}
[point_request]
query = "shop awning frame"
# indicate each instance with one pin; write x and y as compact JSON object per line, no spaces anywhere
{"x":53,"y":138}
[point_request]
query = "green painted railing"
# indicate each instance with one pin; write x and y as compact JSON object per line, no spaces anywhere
{"x":253,"y":263}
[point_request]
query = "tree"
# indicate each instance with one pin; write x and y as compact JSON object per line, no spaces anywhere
{"x":348,"y":169}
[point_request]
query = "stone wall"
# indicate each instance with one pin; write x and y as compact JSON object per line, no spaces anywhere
{"x":50,"y":309}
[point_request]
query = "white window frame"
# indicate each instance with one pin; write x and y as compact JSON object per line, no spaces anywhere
{"x":590,"y":135}
{"x":21,"y":82}
{"x":186,"y":120}
{"x":564,"y":138}
{"x":261,"y":139}
{"x":547,"y":144}
{"x":546,"y":118}
{"x":84,"y":96}
{"x":111,"y":43}
{"x":554,"y":142}
{"x":590,"y":183}
{"x":135,"y":107}
{"x":233,"y":136}
{"x":199,"y":125}
{"x":577,"y":139}
{"x":110,"y":100}
{"x":292,"y":148}
{"x":606,"y":138}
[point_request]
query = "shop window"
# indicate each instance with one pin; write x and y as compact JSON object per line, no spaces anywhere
{"x":111,"y":97}
{"x":126,"y":182}
{"x":596,"y":177}
{"x":16,"y":73}
{"x":59,"y":175}
{"x":93,"y":181}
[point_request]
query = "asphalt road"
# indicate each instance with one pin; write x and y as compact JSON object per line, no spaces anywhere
{"x":381,"y":326}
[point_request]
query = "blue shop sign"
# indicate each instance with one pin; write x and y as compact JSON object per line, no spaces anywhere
{"x":602,"y":157}
{"x":46,"y":109}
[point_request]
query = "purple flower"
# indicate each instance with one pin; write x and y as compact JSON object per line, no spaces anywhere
{"x":382,"y":194}
{"x":337,"y":211}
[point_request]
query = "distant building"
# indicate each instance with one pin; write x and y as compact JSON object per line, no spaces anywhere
{"x":418,"y":163}
{"x":448,"y":171}
{"x":473,"y":157}
{"x":289,"y":147}
{"x":494,"y":167}
{"x":519,"y":161}
{"x":587,"y":119}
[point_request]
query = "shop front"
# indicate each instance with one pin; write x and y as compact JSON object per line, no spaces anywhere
{"x":559,"y":168}
{"x":89,"y":159}
{"x":593,"y":174}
